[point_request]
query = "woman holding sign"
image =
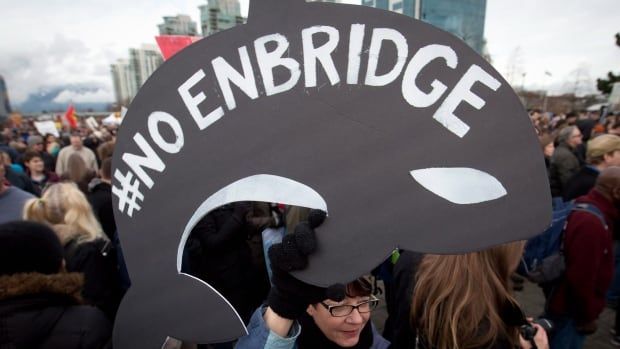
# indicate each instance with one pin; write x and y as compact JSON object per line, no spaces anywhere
{"x":298,"y":315}
{"x":464,"y":301}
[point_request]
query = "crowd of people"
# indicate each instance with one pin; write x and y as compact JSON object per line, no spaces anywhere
{"x":62,"y":274}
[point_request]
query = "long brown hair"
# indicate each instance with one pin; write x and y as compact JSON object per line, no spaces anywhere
{"x":458,"y":299}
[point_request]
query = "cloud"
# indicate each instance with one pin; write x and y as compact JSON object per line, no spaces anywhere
{"x":63,"y":61}
{"x":96,"y":96}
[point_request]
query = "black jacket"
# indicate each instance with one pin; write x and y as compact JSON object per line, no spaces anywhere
{"x":100,"y":198}
{"x":221,"y":256}
{"x":20,"y":180}
{"x":42,"y":311}
{"x":581,"y":183}
{"x":98,"y":261}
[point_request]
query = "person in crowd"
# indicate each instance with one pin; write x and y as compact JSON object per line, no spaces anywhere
{"x":78,"y":172}
{"x":398,"y":328}
{"x":603,"y":152}
{"x":546,"y":143}
{"x":17,"y":179}
{"x":12,"y":199}
{"x":5,"y":159}
{"x":222,"y":257}
{"x":578,"y":298}
{"x":35,"y":143}
{"x":6,"y":148}
{"x":39,"y":175}
{"x":76,"y":147}
{"x":564,"y":162}
{"x":91,"y":141}
{"x":587,"y":124}
{"x":40,"y":302}
{"x":86,"y":248}
{"x":100,"y":198}
{"x":105,"y":150}
{"x":52,"y":146}
{"x":465,"y":301}
{"x":298,"y":315}
{"x":614,"y":128}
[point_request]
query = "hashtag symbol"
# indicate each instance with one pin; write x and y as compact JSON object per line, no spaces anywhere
{"x":129,"y":192}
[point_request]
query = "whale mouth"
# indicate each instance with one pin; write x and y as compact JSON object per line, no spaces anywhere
{"x":260,"y":187}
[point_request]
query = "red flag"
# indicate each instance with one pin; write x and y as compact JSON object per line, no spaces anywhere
{"x":71,"y":117}
{"x":169,"y":45}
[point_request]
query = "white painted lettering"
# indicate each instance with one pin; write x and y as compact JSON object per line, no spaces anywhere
{"x":412,"y":94}
{"x":154,"y":120}
{"x":462,"y":93}
{"x":192,"y":102}
{"x":402,"y":50}
{"x":137,"y":162}
{"x":269,"y":60}
{"x":356,"y":39}
{"x":322,"y":54}
{"x":226,"y":74}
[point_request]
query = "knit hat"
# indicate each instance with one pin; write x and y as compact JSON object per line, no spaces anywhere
{"x":29,"y":247}
{"x":34,"y":140}
{"x":602,"y":145}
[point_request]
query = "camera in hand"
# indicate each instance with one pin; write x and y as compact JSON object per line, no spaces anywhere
{"x":528,"y":331}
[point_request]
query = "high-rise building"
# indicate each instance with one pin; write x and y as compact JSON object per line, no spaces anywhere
{"x":5,"y":106}
{"x":124,"y":82}
{"x":143,"y":62}
{"x":129,"y":75}
{"x":178,"y":25}
{"x":219,"y":15}
{"x":462,"y":18}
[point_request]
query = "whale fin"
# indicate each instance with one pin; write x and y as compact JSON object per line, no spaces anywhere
{"x":151,"y":323}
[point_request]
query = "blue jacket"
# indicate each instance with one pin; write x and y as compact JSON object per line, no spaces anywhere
{"x":259,"y":336}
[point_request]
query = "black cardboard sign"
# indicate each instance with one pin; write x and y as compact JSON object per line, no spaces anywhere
{"x":401,"y":132}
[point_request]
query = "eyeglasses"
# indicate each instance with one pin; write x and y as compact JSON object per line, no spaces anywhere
{"x":346,"y":309}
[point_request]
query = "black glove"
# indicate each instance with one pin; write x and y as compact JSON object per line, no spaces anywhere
{"x":289,"y":297}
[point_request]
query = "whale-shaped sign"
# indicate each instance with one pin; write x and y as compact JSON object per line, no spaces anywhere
{"x":400,"y":131}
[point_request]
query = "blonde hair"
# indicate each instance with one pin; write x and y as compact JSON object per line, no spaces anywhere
{"x":601,"y":145}
{"x":458,"y":299}
{"x":64,"y":207}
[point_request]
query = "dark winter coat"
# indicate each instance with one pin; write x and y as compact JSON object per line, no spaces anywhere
{"x":19,"y":180}
{"x":43,"y":312}
{"x":39,"y":186}
{"x":398,"y":328}
{"x":102,"y":284}
{"x":581,"y":183}
{"x":223,"y":257}
{"x":564,"y":164}
{"x":100,"y":198}
{"x":588,"y":249}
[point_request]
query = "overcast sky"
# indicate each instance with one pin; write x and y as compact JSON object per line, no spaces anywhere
{"x":51,"y":43}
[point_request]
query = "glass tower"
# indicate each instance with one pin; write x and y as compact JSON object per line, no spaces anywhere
{"x":462,"y":18}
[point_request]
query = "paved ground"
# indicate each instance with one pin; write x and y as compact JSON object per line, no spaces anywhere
{"x":532,"y":301}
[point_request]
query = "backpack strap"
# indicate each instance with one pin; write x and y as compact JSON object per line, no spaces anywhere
{"x":583,"y":207}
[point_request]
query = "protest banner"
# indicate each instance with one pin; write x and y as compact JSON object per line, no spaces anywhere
{"x":400,"y":131}
{"x":46,"y":127}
